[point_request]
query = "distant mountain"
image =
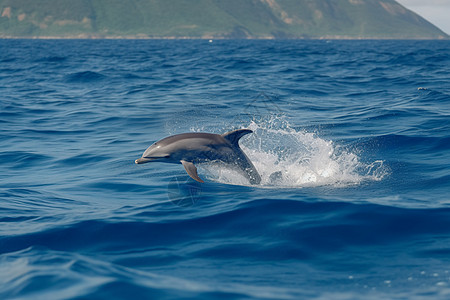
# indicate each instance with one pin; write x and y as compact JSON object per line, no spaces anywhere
{"x":213,"y":19}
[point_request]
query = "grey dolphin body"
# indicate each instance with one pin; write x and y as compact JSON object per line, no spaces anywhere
{"x":197,"y":147}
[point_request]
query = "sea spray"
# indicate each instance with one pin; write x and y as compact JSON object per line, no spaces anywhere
{"x":290,"y":158}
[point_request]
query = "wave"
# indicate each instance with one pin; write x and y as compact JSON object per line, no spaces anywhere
{"x":346,"y":223}
{"x":84,"y":77}
{"x":22,"y":159}
{"x":29,"y":273}
{"x":52,"y":59}
{"x":100,"y":257}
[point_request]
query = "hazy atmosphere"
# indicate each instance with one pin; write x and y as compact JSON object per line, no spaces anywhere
{"x":435,"y":11}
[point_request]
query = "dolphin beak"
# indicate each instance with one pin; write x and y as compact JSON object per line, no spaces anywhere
{"x":142,"y":160}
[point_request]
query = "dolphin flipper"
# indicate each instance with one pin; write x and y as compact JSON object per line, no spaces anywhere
{"x":191,"y":170}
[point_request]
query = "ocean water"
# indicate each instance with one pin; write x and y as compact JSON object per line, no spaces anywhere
{"x":351,"y":138}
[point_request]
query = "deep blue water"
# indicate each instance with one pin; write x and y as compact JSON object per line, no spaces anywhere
{"x":358,"y":130}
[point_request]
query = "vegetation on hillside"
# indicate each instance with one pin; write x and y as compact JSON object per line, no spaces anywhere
{"x":212,"y":19}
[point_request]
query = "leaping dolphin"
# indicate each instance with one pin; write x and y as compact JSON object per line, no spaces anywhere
{"x":198,"y":147}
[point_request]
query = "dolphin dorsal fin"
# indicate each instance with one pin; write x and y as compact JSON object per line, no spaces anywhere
{"x":234,"y":136}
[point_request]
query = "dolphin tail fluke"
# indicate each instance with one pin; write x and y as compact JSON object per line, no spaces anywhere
{"x":234,"y":136}
{"x":191,"y":169}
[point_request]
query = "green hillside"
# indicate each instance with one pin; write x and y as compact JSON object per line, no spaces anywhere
{"x":212,"y":19}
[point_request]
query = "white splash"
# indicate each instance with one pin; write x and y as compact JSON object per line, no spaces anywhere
{"x":286,"y":158}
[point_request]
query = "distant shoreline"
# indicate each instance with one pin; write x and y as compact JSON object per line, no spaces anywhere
{"x":214,"y":20}
{"x":139,"y":37}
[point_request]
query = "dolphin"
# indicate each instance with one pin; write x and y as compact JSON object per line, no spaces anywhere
{"x":197,"y":147}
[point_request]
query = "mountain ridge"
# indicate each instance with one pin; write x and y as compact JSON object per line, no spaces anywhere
{"x":213,"y":19}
